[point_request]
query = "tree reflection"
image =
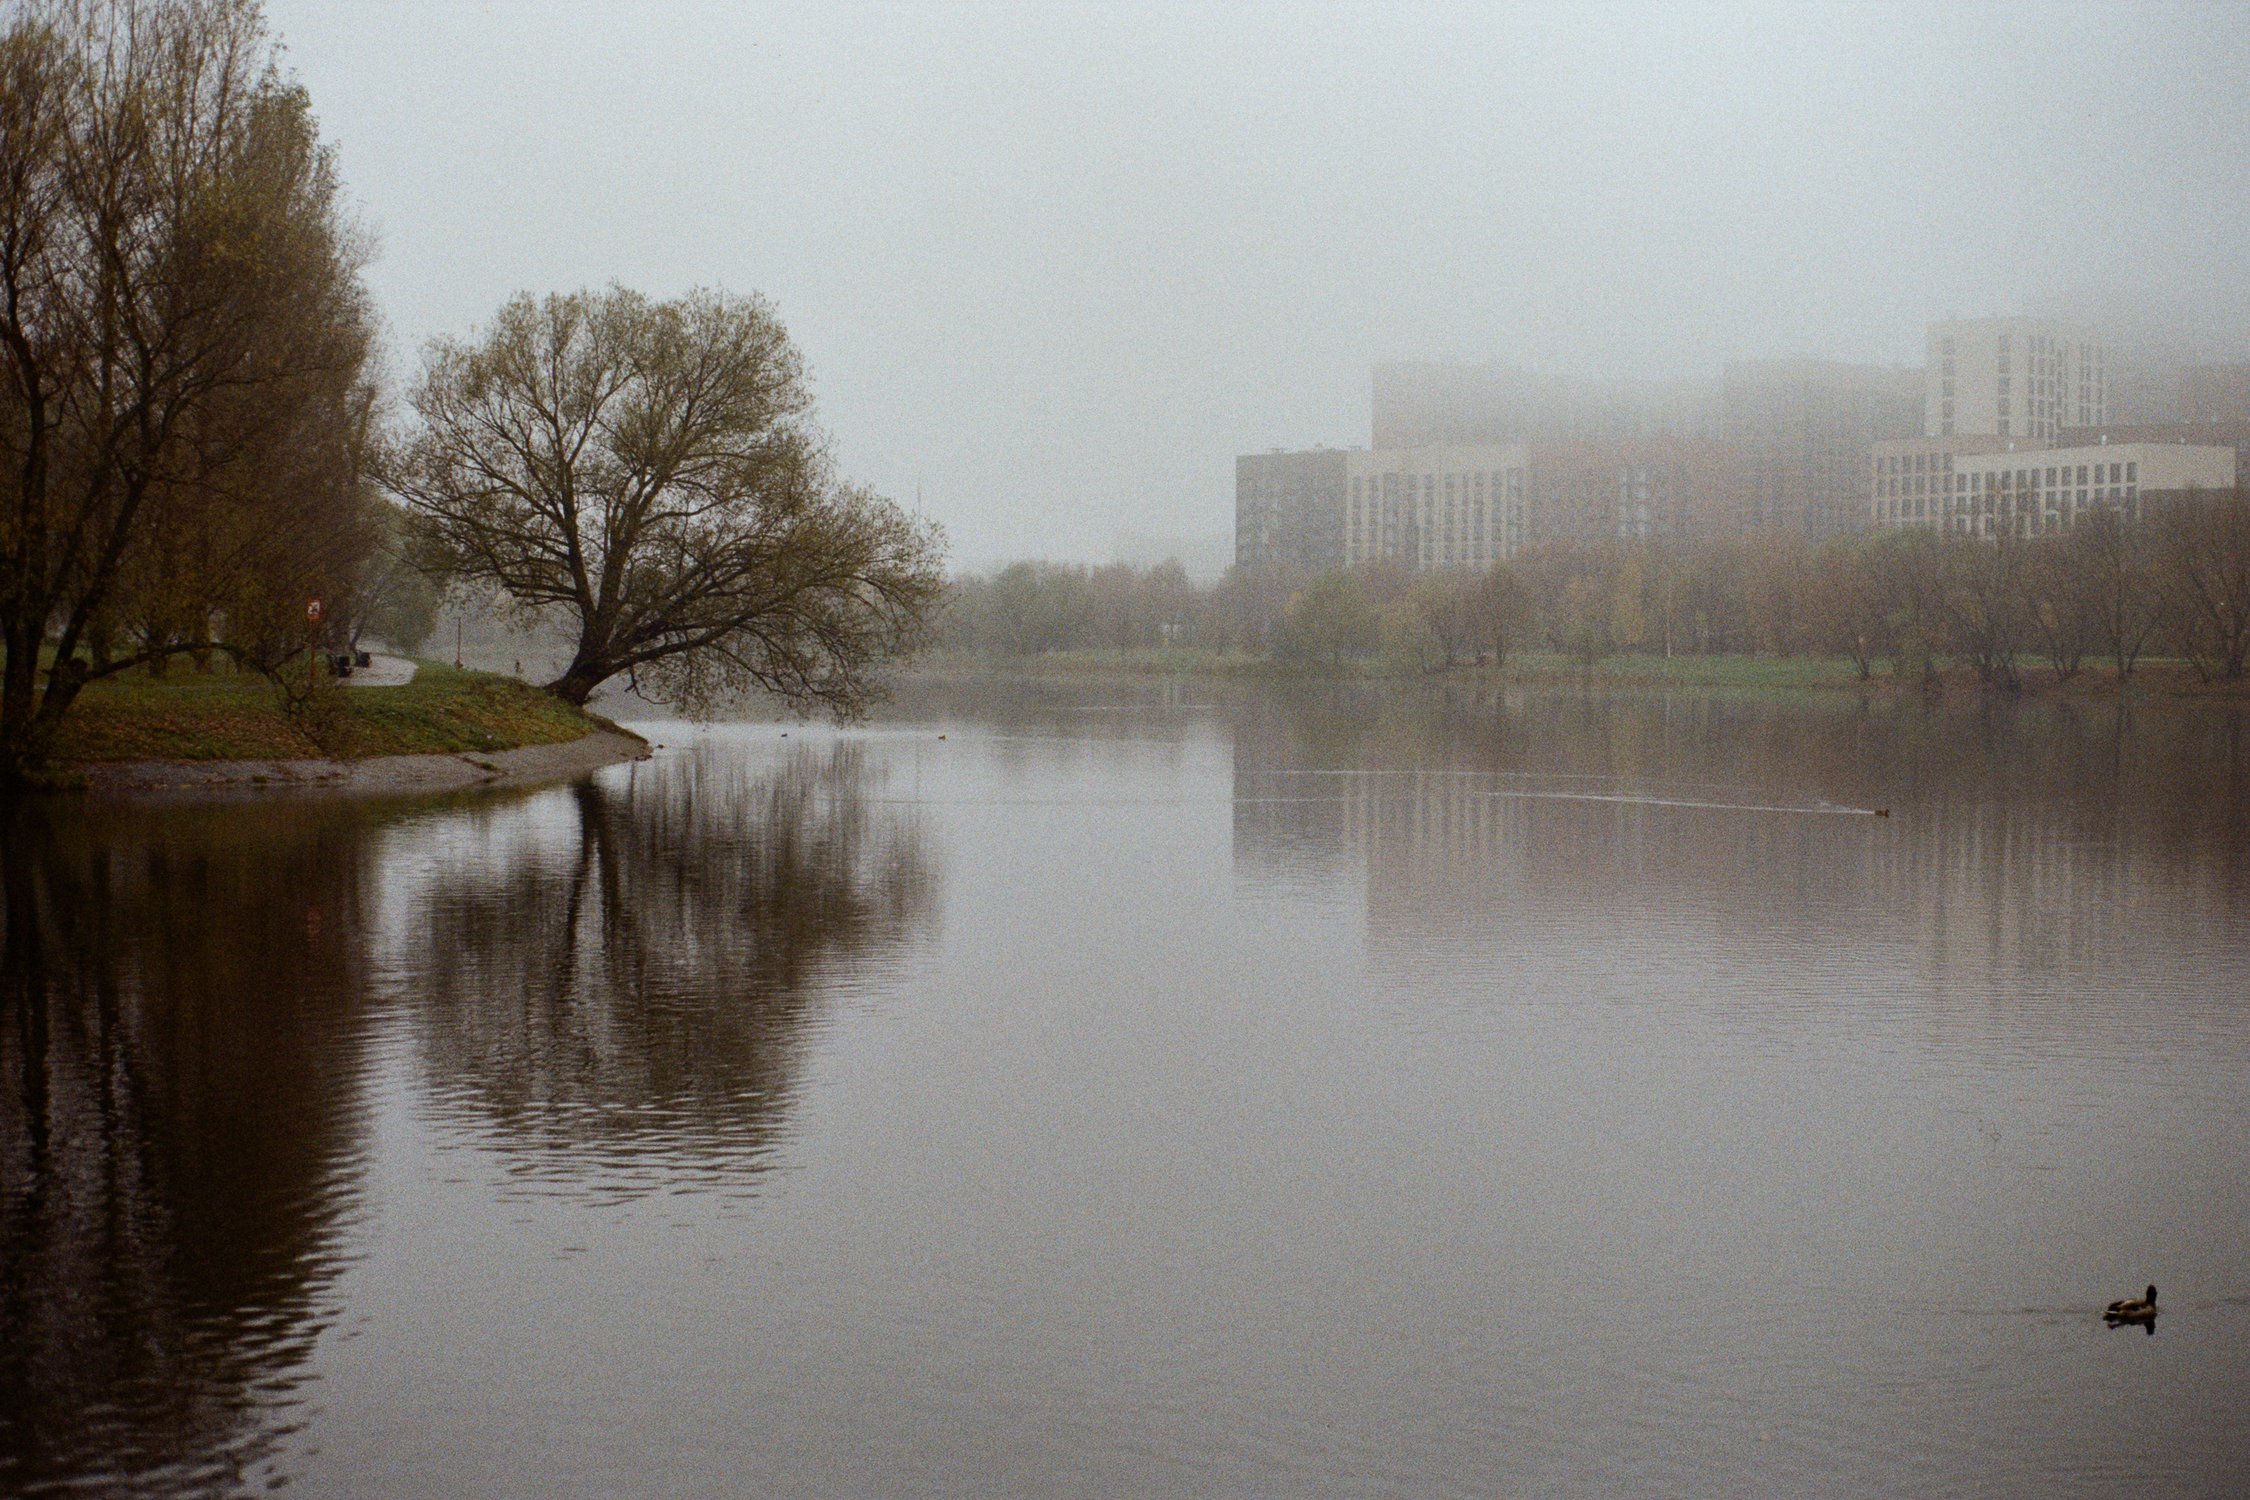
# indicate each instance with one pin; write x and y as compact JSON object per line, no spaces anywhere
{"x":179,"y":1055}
{"x":625,"y":1008}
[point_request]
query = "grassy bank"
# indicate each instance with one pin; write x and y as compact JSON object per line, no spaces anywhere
{"x":1752,"y":674}
{"x":226,"y":716}
{"x":1794,"y":673}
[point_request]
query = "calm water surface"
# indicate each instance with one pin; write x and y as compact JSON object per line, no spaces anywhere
{"x":1137,"y":1092}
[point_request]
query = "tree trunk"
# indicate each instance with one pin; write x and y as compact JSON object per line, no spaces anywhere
{"x":577,"y":685}
{"x":19,"y":703}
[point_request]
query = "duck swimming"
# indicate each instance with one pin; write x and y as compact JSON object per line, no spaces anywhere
{"x":2133,"y":1309}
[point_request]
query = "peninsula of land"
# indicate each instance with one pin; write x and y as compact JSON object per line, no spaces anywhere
{"x":396,"y":727}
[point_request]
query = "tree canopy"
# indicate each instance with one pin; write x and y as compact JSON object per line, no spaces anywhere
{"x":647,"y":472}
{"x":184,"y":396}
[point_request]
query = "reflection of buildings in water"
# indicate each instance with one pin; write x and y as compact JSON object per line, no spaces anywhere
{"x":180,"y":1054}
{"x":616,"y":983}
{"x":2026,"y":842}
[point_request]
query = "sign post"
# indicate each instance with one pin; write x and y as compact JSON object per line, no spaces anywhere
{"x":312,"y":644}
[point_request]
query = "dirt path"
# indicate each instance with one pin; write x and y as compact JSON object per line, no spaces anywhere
{"x":383,"y":671}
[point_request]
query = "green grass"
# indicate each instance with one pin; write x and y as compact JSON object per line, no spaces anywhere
{"x":1682,"y":671}
{"x":230,"y":716}
{"x":1761,"y":672}
{"x":1780,"y":675}
{"x":1147,"y":661}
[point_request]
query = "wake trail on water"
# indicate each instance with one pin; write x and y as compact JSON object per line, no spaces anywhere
{"x":1829,"y":810}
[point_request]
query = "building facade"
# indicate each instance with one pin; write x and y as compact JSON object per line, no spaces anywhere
{"x":2036,"y":490}
{"x":1911,"y":477}
{"x":2012,"y":377}
{"x":1435,"y":507}
{"x":1289,"y":509}
{"x":1802,"y":430}
{"x":2234,"y":434}
{"x":1648,"y":489}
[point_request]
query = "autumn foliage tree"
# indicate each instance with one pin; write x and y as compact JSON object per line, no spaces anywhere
{"x":184,"y":401}
{"x":645,"y":472}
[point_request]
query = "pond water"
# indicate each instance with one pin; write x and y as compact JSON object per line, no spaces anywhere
{"x":1155,"y":1091}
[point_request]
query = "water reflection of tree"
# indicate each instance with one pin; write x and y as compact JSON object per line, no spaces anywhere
{"x":179,"y":1055}
{"x":630,"y":1012}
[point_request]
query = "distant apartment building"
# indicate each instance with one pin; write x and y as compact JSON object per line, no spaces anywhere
{"x":2035,"y":490}
{"x":1431,"y":404}
{"x":1913,"y":477}
{"x":1434,"y":507}
{"x":2012,"y":377}
{"x":1646,"y":489}
{"x":1289,"y":509}
{"x":1802,"y":429}
{"x":2233,"y":434}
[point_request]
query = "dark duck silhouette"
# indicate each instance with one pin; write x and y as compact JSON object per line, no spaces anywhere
{"x":2133,"y":1309}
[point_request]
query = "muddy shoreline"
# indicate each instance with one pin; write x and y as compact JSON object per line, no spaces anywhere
{"x":374,"y":776}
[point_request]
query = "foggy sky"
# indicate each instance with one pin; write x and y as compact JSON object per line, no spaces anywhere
{"x":1057,"y":266}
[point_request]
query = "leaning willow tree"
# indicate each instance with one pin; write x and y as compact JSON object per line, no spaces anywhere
{"x":184,"y":393}
{"x":647,"y":474}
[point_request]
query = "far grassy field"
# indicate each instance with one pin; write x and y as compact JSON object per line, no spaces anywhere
{"x":1680,"y":671}
{"x":1753,"y":674}
{"x":227,"y":716}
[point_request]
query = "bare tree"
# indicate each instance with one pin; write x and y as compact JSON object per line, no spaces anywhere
{"x":182,"y":346}
{"x":2116,"y":559}
{"x":1986,"y":618}
{"x":645,"y":470}
{"x":2063,"y":603}
{"x":2207,"y":575}
{"x":1843,"y":602}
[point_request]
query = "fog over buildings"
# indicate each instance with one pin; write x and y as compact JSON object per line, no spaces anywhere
{"x":1054,"y":267}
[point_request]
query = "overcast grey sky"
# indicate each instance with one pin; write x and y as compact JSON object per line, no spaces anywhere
{"x":1058,"y":265}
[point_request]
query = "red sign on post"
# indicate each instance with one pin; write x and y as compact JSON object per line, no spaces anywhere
{"x":312,"y":610}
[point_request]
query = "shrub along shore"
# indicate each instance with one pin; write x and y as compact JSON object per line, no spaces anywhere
{"x":217,"y":716}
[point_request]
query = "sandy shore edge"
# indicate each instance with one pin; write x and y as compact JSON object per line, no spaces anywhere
{"x":377,"y":775}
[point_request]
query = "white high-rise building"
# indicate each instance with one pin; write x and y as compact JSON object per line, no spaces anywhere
{"x":2026,"y":488}
{"x":1443,"y":507}
{"x":2012,"y":377}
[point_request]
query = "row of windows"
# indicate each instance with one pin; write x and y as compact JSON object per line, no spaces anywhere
{"x":1488,"y":482}
{"x":2055,"y":504}
{"x":1389,"y":512}
{"x":1889,"y":484}
{"x":1942,"y":463}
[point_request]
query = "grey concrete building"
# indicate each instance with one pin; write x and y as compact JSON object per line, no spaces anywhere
{"x":1289,"y":509}
{"x":1803,"y":429}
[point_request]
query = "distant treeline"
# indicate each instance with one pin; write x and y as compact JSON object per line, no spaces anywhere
{"x":1909,"y":601}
